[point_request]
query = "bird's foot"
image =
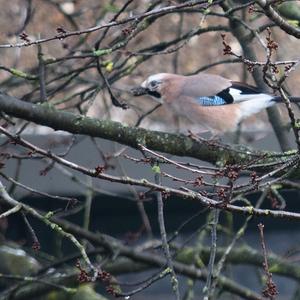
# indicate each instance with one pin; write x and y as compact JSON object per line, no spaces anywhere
{"x":213,"y":140}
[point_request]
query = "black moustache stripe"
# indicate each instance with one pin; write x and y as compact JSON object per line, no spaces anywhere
{"x":154,"y":94}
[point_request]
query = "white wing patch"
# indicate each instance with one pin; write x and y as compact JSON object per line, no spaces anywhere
{"x":239,"y":97}
{"x":255,"y":104}
{"x":250,"y":103}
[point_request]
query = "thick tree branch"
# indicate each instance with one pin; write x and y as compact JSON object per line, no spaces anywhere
{"x":180,"y":145}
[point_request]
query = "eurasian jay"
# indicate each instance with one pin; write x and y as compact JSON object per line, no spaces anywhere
{"x":210,"y":101}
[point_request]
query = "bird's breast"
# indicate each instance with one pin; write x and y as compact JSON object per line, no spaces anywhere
{"x":217,"y":119}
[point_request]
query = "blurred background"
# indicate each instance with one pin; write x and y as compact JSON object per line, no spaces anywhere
{"x":64,"y":73}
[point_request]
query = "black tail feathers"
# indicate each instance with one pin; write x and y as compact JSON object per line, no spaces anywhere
{"x":280,"y":100}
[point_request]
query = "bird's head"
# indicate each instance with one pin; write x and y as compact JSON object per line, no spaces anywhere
{"x":154,"y":86}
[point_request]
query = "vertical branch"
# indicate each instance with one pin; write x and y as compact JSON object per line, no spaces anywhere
{"x":294,"y":122}
{"x":275,"y":119}
{"x":114,"y":99}
{"x":36,"y":244}
{"x":208,"y":291}
{"x":140,"y":205}
{"x":238,"y":235}
{"x":88,"y":205}
{"x":115,"y":17}
{"x":165,"y":245}
{"x":270,"y":290}
{"x":43,"y":93}
{"x":176,"y":54}
{"x":13,"y":186}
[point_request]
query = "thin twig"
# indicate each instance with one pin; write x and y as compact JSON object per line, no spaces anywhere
{"x":45,"y":219}
{"x":277,"y":19}
{"x":69,"y":199}
{"x":11,"y":211}
{"x":207,"y":290}
{"x":271,"y":290}
{"x":42,"y":79}
{"x":36,"y":243}
{"x":165,"y":245}
{"x":154,"y":12}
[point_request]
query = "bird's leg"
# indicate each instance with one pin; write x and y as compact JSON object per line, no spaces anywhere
{"x":195,"y":137}
{"x":212,"y":140}
{"x":215,"y":137}
{"x":177,"y":123}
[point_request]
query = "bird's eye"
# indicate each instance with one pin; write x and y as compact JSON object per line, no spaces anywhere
{"x":153,"y":84}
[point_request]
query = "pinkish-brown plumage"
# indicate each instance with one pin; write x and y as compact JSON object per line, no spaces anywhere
{"x":209,"y":101}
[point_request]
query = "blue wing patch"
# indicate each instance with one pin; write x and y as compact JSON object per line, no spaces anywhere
{"x":211,"y":101}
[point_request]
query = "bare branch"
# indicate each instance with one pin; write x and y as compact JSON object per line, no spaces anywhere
{"x":266,"y":5}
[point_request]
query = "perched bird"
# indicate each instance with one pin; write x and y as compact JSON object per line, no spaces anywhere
{"x":210,"y":101}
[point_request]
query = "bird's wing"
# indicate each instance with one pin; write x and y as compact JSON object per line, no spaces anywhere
{"x":212,"y":90}
{"x":203,"y":85}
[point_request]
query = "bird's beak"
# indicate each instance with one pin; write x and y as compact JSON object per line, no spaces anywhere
{"x":139,"y":91}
